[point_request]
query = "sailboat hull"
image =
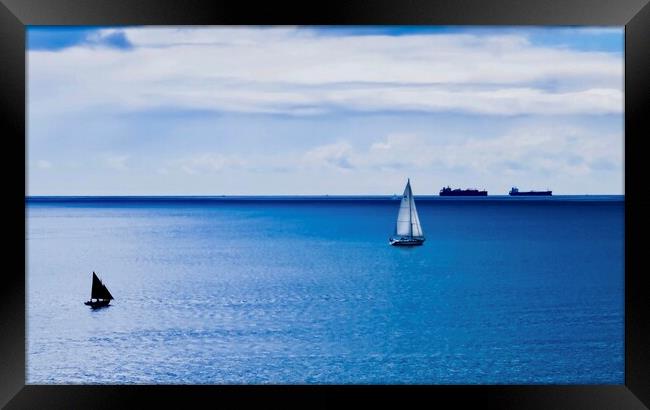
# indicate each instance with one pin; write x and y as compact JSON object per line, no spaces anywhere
{"x":408,"y":231}
{"x":406,"y":241}
{"x":97,"y":303}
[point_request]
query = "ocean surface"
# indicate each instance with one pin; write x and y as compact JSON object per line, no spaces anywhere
{"x":279,"y":290}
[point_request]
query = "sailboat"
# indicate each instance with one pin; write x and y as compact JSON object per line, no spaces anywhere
{"x":99,"y":295}
{"x":408,"y":231}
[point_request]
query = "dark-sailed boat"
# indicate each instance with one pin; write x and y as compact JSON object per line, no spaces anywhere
{"x":99,"y":295}
{"x":408,"y":231}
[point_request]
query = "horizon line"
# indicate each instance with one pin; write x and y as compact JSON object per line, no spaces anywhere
{"x":302,"y":196}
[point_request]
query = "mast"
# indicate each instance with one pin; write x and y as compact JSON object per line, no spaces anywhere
{"x":408,"y":183}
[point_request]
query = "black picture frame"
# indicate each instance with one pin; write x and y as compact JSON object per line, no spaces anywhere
{"x":16,"y":14}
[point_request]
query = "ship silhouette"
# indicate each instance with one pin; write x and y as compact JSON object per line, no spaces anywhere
{"x":447,"y":191}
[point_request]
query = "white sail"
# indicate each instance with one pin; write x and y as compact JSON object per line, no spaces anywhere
{"x":408,"y":222}
{"x":404,"y":225}
{"x":415,"y":220}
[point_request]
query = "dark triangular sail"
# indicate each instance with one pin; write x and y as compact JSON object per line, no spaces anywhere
{"x":99,"y":290}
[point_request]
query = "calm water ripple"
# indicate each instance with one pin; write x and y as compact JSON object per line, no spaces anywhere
{"x":502,"y":292}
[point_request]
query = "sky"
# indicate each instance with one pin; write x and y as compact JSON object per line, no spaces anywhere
{"x":251,"y":110}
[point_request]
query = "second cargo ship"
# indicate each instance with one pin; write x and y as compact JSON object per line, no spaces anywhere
{"x":516,"y":192}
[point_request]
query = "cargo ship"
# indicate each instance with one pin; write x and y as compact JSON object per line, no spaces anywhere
{"x":516,"y":192}
{"x":447,"y":191}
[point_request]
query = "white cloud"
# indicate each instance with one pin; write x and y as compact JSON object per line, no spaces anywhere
{"x":337,"y":156}
{"x":558,"y":137}
{"x":562,"y":151}
{"x":565,"y":158}
{"x":292,"y":71}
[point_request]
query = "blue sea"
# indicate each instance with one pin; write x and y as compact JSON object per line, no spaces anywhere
{"x":273,"y":290}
